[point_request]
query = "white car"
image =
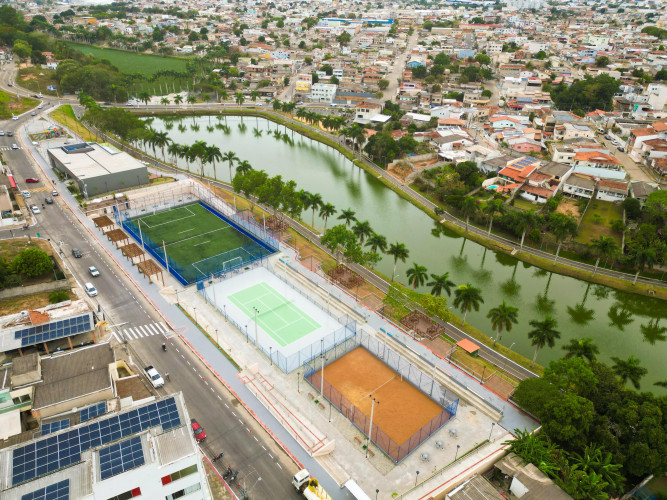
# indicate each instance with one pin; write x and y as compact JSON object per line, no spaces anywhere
{"x":92,"y":270}
{"x":35,"y":209}
{"x":14,"y":117}
{"x":90,"y":289}
{"x":14,"y":146}
{"x":153,"y":375}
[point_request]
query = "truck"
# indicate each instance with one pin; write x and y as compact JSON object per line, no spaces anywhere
{"x":154,"y":376}
{"x":308,"y":486}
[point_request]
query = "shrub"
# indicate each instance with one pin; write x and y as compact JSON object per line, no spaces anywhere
{"x":32,"y":262}
{"x":58,"y":296}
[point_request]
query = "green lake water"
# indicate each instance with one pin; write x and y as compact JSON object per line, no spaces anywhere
{"x":621,"y":324}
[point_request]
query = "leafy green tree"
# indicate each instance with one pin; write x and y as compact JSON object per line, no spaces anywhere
{"x":483,"y":59}
{"x":642,"y":257}
{"x":339,"y":239}
{"x":629,"y":369}
{"x":383,"y":84}
{"x":503,"y":317}
{"x":540,"y":56}
{"x":57,"y":296}
{"x":467,"y":297}
{"x":399,"y":252}
{"x":440,"y":283}
{"x":315,"y":202}
{"x":602,"y":62}
{"x":32,"y":262}
{"x":543,"y":333}
{"x":417,"y":275}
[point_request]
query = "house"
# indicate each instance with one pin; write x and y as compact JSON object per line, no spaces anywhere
{"x":640,"y":135}
{"x":323,"y":92}
{"x":641,"y":190}
{"x":529,"y":482}
{"x":660,"y":166}
{"x":495,"y":163}
{"x":569,"y":131}
{"x":364,"y":111}
{"x":449,"y":123}
{"x":579,"y":186}
{"x":598,"y":164}
{"x":612,"y":190}
{"x":505,"y":122}
{"x":525,"y":145}
{"x":538,"y":188}
{"x":515,"y":174}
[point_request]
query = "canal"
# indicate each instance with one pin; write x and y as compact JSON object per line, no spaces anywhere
{"x":620,"y":323}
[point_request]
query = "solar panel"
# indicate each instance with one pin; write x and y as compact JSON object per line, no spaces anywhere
{"x":48,"y":428}
{"x":121,"y":457}
{"x":93,"y":411}
{"x":55,"y":452}
{"x":57,"y":491}
{"x":54,"y":330}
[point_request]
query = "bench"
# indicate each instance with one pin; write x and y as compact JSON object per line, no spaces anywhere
{"x":311,"y":396}
{"x":357,"y":439}
{"x":320,"y":405}
{"x":370,"y":452}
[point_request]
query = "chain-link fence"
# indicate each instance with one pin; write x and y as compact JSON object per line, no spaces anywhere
{"x":420,"y":380}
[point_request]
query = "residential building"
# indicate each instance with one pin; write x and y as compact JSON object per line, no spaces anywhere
{"x":612,"y":190}
{"x":598,"y":164}
{"x":323,"y":92}
{"x":579,"y":186}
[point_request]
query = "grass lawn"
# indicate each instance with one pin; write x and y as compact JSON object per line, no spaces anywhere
{"x":597,"y":219}
{"x":37,"y":79}
{"x":65,"y":116}
{"x":18,"y":304}
{"x":526,"y":205}
{"x":132,"y":62}
{"x":9,"y":105}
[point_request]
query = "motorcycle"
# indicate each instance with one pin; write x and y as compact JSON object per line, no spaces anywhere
{"x":164,"y":347}
{"x":228,"y":473}
{"x":26,"y":227}
{"x":216,"y":458}
{"x":233,"y":477}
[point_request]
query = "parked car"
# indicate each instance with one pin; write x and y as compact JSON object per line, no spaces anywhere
{"x":200,"y":434}
{"x":92,"y":270}
{"x":621,"y":149}
{"x":608,"y":137}
{"x":14,"y":117}
{"x":33,"y":113}
{"x":2,"y":132}
{"x":614,"y":142}
{"x":153,"y":375}
{"x":54,"y":193}
{"x":32,"y":179}
{"x":35,"y":209}
{"x":26,"y":194}
{"x":10,"y":133}
{"x":90,"y":289}
{"x":48,"y":200}
{"x":77,"y":254}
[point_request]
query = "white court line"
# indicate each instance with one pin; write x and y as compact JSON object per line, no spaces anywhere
{"x":191,"y":229}
{"x":197,"y":236}
{"x":143,"y":219}
{"x":202,"y":243}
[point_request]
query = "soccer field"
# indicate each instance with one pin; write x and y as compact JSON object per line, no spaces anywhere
{"x":196,"y":240}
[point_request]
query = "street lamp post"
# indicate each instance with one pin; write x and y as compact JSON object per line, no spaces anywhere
{"x":416,"y":478}
{"x":457,"y":452}
{"x":271,"y":354}
{"x":224,"y":308}
{"x":322,"y":374}
{"x":370,"y":426}
{"x":298,"y":380}
{"x":377,"y":492}
{"x":493,"y":424}
{"x":195,"y":313}
{"x":256,"y":311}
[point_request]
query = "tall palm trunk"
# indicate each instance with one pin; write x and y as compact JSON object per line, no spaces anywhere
{"x":537,"y":349}
{"x":523,"y":236}
{"x":490,"y":225}
{"x":596,"y":267}
{"x":557,"y":251}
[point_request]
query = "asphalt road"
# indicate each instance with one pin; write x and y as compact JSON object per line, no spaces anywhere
{"x":226,"y":422}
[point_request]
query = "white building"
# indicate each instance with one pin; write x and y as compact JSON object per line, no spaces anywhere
{"x":146,"y":451}
{"x":323,"y":92}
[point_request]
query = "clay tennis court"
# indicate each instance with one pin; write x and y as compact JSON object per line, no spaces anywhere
{"x":402,"y":408}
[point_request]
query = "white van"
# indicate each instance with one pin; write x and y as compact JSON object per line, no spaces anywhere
{"x":90,"y":289}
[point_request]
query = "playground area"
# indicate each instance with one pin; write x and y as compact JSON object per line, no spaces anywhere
{"x":197,"y":240}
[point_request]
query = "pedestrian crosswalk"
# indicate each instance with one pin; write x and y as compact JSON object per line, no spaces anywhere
{"x":43,"y":188}
{"x":9,"y":148}
{"x":141,"y":331}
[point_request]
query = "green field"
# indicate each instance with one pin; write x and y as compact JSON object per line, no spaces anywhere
{"x":9,"y":105}
{"x":132,"y":62}
{"x":276,"y":315}
{"x":197,"y":241}
{"x":597,"y":220}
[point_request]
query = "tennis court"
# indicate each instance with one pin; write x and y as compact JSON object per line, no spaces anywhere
{"x":197,"y":241}
{"x":277,"y":316}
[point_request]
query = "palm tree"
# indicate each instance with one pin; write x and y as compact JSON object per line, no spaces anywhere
{"x":144,"y":97}
{"x":441,"y":283}
{"x":178,"y":99}
{"x":467,"y":297}
{"x":348,"y":216}
{"x":417,"y":275}
{"x":224,"y":95}
{"x":185,"y":154}
{"x":165,"y":101}
{"x":160,"y":140}
{"x":315,"y":202}
{"x":191,"y":99}
{"x":469,"y":208}
{"x":240,"y":99}
{"x":581,"y":348}
{"x":198,"y":151}
{"x":604,"y":246}
{"x":243,"y":167}
{"x":377,"y":242}
{"x":503,"y":317}
{"x":362,"y":230}
{"x":326,"y":211}
{"x":525,"y":222}
{"x":213,"y":154}
{"x":642,"y":257}
{"x":174,"y":151}
{"x":397,"y":251}
{"x":629,"y":369}
{"x":543,"y":333}
{"x":561,"y":226}
{"x":254,"y":95}
{"x":492,"y":208}
{"x":230,"y":157}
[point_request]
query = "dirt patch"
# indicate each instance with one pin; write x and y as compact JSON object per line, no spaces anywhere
{"x":419,"y":165}
{"x":569,"y":206}
{"x":439,"y":346}
{"x":26,"y":78}
{"x":500,"y":386}
{"x":401,"y":169}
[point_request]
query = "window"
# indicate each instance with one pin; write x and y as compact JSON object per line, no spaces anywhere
{"x":136,"y":492}
{"x":183,"y":492}
{"x":179,"y":474}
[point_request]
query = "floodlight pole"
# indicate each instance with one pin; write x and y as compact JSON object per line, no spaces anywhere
{"x":370,"y":426}
{"x":141,"y":235}
{"x":256,"y":342}
{"x":322,"y":375}
{"x":166,"y":260}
